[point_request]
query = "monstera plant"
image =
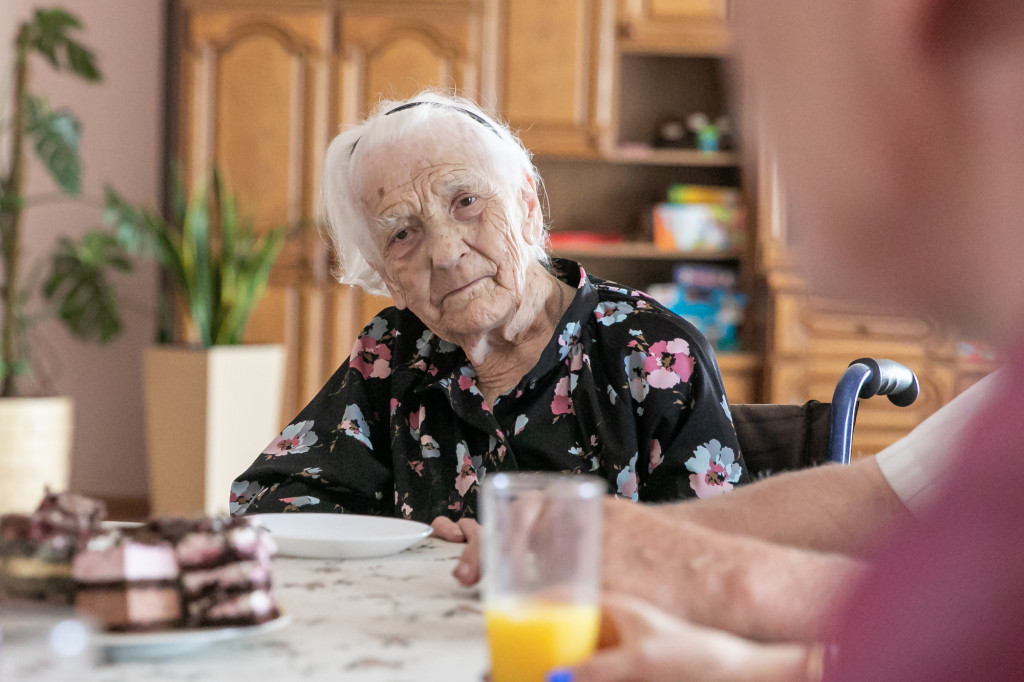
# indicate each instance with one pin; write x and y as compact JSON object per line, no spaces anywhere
{"x":78,"y":288}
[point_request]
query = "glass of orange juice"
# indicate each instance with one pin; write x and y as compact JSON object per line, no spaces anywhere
{"x":541,"y":563}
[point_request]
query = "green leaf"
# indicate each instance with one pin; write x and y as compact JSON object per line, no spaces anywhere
{"x":56,"y":134}
{"x":48,"y":32}
{"x":82,"y":62}
{"x":86,"y":301}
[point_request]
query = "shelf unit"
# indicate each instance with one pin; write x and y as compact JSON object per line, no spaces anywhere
{"x":614,"y":193}
{"x":672,"y":157}
{"x":645,"y":250}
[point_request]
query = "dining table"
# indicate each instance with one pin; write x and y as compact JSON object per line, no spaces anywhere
{"x":396,"y":618}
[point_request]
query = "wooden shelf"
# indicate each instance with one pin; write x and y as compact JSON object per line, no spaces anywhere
{"x":673,"y":157}
{"x":643,"y":250}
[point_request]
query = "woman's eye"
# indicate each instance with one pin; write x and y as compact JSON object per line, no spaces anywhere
{"x":401,"y":235}
{"x":467,"y":206}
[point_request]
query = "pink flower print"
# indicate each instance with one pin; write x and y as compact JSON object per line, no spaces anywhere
{"x":562,"y":403}
{"x":417,"y":467}
{"x":626,"y":480}
{"x":371,"y":358}
{"x":608,"y":313}
{"x":406,"y":510}
{"x":429,"y":448}
{"x":668,"y":363}
{"x":467,"y":381}
{"x":656,"y":456}
{"x":714,"y":468}
{"x":465,"y":476}
{"x":296,"y":438}
{"x":294,"y":503}
{"x":242,"y":495}
{"x":637,"y":375}
{"x":354,"y":425}
{"x":455,"y":506}
{"x":568,"y":339}
{"x":521,"y":422}
{"x":394,"y":406}
{"x":415,"y":420}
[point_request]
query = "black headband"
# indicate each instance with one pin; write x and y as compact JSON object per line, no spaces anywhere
{"x":409,"y":105}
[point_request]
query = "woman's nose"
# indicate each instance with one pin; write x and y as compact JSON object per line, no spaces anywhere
{"x":446,"y":246}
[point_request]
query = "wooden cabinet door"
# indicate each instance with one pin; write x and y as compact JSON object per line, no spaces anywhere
{"x":674,"y":26}
{"x":253,"y":99}
{"x":394,"y":49}
{"x":556,"y":73}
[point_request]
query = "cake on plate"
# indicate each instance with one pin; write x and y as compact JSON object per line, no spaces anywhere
{"x":203,"y":572}
{"x":128,"y":581}
{"x":36,"y":549}
{"x":225,"y":569}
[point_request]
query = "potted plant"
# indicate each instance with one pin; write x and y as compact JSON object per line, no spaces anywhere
{"x":32,"y":422}
{"x":212,"y":402}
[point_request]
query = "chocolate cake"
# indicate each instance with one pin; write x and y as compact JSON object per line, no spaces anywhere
{"x":36,"y":550}
{"x":168,"y":573}
{"x":225,"y":569}
{"x":128,"y":581}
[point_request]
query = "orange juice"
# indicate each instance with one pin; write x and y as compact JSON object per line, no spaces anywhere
{"x":528,"y":639}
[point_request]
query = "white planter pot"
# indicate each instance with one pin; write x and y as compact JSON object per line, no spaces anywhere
{"x":35,"y":450}
{"x":209,"y":413}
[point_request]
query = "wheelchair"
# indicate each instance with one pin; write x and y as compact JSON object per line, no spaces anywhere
{"x":775,"y":438}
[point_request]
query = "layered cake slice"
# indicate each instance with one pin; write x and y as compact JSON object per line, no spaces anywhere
{"x":36,"y":550}
{"x":128,"y":581}
{"x":225,"y":570}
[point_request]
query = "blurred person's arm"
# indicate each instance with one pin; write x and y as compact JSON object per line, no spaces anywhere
{"x":839,"y":509}
{"x":747,"y":586}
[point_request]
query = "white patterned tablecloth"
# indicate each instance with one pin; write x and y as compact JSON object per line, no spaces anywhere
{"x":400,"y":618}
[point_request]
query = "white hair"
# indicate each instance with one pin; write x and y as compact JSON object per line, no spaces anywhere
{"x":358,"y":257}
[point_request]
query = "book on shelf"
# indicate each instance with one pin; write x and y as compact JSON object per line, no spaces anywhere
{"x":707,"y":297}
{"x":698,"y":218}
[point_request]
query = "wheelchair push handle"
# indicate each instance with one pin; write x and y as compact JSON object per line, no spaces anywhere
{"x":891,"y":379}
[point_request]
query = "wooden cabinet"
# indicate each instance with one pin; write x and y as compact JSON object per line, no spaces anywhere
{"x":395,"y":49}
{"x":674,"y":26}
{"x":260,"y":86}
{"x":809,"y":340}
{"x":812,"y":340}
{"x":556,"y":73}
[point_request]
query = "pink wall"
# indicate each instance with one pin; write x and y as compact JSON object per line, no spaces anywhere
{"x":122,"y":122}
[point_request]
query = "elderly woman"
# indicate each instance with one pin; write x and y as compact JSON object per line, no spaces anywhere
{"x":494,"y":357}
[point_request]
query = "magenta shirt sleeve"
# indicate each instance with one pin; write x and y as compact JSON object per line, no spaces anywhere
{"x":946,"y":599}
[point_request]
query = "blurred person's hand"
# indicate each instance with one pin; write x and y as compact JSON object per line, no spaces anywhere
{"x":640,"y":643}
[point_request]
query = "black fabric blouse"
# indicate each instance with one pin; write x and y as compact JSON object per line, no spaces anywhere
{"x":624,"y":389}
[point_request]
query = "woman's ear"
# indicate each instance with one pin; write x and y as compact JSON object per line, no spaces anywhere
{"x":533,"y":223}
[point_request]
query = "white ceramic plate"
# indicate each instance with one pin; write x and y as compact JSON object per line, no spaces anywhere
{"x":122,"y":645}
{"x":341,"y":536}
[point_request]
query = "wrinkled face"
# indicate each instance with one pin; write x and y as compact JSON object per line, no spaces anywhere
{"x":452,"y":240}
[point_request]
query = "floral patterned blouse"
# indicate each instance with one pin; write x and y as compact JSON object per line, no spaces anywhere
{"x":624,"y":389}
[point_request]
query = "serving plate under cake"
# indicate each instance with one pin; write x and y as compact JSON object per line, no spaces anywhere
{"x":123,"y":645}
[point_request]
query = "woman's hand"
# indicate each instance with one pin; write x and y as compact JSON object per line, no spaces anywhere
{"x":640,"y":643}
{"x":467,"y":571}
{"x":463,"y":530}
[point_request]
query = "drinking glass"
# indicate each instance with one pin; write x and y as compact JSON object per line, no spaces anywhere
{"x":44,"y":644}
{"x":541,"y":563}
